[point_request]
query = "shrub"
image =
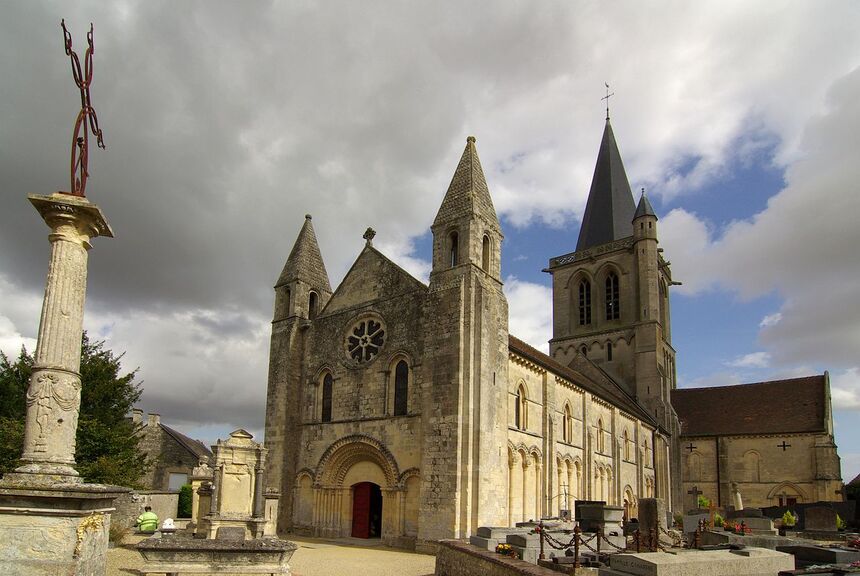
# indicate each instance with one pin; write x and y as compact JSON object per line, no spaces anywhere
{"x":183,"y":510}
{"x":703,"y":502}
{"x":718,"y":520}
{"x":840,"y":523}
{"x":788,"y":519}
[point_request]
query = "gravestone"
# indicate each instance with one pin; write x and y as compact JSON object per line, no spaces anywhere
{"x":489,"y":537}
{"x":691,"y":521}
{"x":749,"y":561}
{"x":594,"y":517}
{"x":819,"y":519}
{"x":652,"y":515}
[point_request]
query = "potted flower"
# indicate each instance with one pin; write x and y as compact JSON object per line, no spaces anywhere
{"x":788,"y":521}
{"x":729,"y":526}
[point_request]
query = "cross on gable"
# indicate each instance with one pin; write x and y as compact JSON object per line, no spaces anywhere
{"x":691,"y":447}
{"x":783,"y":445}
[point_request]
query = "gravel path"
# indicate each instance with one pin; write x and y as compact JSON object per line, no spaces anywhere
{"x":315,"y":557}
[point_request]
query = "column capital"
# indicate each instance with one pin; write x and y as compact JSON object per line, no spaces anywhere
{"x":71,"y":218}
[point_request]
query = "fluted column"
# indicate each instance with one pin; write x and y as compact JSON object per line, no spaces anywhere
{"x":54,"y":393}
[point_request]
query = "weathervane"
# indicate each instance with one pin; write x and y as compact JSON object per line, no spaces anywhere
{"x":87,"y":119}
{"x":608,"y":95}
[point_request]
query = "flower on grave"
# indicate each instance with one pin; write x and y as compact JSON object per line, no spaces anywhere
{"x":718,"y":520}
{"x":855,"y":564}
{"x":789,"y":519}
{"x":503,"y":549}
{"x":855,"y":543}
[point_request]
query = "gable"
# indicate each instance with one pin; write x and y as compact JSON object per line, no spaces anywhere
{"x":373,"y":277}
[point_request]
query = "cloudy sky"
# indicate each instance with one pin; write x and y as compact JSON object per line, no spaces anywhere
{"x":226,"y":122}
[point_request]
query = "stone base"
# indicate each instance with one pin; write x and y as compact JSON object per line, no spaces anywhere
{"x":747,"y":562}
{"x":48,"y":529}
{"x":192,"y":556}
{"x":254,"y":527}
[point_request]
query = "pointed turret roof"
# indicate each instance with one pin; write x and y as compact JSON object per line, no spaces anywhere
{"x":644,"y":208}
{"x":305,"y":262}
{"x":609,"y":211}
{"x":468,"y":192}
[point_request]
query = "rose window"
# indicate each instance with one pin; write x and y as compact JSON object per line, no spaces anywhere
{"x":365,"y":340}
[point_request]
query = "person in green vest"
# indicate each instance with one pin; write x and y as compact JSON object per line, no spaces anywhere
{"x":148,"y":521}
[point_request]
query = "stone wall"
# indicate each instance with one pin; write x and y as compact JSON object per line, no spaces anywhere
{"x":130,"y":506}
{"x":456,"y":558}
{"x":759,"y":466}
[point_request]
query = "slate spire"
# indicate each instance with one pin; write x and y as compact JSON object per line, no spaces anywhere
{"x":305,"y":262}
{"x":468,"y":192}
{"x":610,"y":208}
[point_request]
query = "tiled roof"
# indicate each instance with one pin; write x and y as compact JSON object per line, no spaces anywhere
{"x":196,"y":447}
{"x":597,"y":382}
{"x":775,"y":407}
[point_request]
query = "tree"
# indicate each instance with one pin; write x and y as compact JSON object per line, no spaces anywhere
{"x":107,"y":447}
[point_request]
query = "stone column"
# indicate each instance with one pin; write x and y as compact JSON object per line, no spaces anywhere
{"x":259,"y":502}
{"x":54,"y":394}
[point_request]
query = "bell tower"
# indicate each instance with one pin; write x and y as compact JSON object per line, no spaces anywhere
{"x":466,"y":344}
{"x":611,"y":301}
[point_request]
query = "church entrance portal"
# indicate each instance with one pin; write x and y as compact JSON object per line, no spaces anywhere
{"x":366,"y":510}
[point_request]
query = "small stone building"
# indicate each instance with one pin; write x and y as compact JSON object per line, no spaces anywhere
{"x":772,"y":441}
{"x":404,"y":410}
{"x":173,"y":454}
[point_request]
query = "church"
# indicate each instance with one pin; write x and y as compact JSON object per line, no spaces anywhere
{"x":407,"y":411}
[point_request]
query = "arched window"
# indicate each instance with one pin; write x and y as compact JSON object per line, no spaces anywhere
{"x":626,"y":440}
{"x":453,"y":249}
{"x":613,"y":303}
{"x":485,"y":254}
{"x":567,"y":425}
{"x":521,"y":410}
{"x":752,"y":469}
{"x":609,"y":351}
{"x":600,"y":435}
{"x":312,"y":305}
{"x":326,"y":397}
{"x":584,"y":302}
{"x":401,"y":388}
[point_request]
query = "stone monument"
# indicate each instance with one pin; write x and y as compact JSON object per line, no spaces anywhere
{"x":238,"y":498}
{"x":51,"y":522}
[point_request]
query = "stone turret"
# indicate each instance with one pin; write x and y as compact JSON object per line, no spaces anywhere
{"x":303,"y":288}
{"x":466,"y":348}
{"x":301,"y":292}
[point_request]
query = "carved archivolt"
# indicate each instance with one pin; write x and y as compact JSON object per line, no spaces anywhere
{"x":344,"y":453}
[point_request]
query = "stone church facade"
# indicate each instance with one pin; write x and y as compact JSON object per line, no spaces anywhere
{"x":406,"y":411}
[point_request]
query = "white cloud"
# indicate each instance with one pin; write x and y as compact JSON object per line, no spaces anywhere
{"x":752,"y":360}
{"x":845,"y":389}
{"x":802,"y":246}
{"x":770,"y":320}
{"x":530,"y":316}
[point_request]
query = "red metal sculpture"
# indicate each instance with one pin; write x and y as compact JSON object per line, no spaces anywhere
{"x":87,"y":119}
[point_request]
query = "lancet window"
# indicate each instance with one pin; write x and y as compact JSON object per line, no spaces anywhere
{"x":584,"y":303}
{"x":613,"y":300}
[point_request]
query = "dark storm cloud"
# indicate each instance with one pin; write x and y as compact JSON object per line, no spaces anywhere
{"x":227,"y":122}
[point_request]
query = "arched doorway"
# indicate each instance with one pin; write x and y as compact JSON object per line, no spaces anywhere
{"x":366,"y":510}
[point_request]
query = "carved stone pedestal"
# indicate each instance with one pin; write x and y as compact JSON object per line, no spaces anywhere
{"x":55,"y":529}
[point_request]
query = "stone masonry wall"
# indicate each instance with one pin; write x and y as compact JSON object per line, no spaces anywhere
{"x":456,"y":558}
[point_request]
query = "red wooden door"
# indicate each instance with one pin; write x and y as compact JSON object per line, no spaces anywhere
{"x":361,"y":510}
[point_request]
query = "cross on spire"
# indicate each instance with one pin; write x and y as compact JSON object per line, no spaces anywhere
{"x":608,"y":95}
